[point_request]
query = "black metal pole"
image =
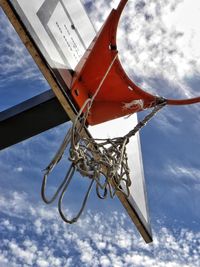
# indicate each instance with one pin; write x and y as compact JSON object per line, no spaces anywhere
{"x":30,"y":118}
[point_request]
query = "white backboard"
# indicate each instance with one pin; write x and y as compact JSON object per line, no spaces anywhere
{"x":62,"y":31}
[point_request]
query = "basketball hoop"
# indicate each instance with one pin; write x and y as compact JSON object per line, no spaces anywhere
{"x":102,"y":93}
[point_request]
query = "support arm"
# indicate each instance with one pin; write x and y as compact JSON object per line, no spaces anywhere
{"x":29,"y":118}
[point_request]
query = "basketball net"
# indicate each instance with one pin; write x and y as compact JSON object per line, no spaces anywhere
{"x":103,"y":161}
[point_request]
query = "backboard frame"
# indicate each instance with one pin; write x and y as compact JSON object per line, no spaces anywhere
{"x":58,"y":86}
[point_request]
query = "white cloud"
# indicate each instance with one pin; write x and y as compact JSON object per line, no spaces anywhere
{"x":39,"y":227}
{"x":151,"y":47}
{"x":19,"y":169}
{"x":105,"y":261}
{"x":183,"y":171}
{"x":6,"y":224}
{"x":42,"y":263}
{"x":15,"y":61}
{"x":3,"y":260}
{"x":104,"y":241}
{"x":23,"y":255}
{"x":86,"y":252}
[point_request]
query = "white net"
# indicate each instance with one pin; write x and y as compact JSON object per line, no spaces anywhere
{"x":103,"y":161}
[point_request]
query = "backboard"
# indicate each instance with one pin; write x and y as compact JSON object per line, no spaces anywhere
{"x":57,"y":33}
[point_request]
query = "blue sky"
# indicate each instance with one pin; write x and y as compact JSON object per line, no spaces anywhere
{"x":159,"y":53}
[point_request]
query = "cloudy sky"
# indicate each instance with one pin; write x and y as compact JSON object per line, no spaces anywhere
{"x":158,"y":46}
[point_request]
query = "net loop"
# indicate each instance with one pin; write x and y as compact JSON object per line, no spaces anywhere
{"x":60,"y":201}
{"x":62,"y":188}
{"x":56,"y":159}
